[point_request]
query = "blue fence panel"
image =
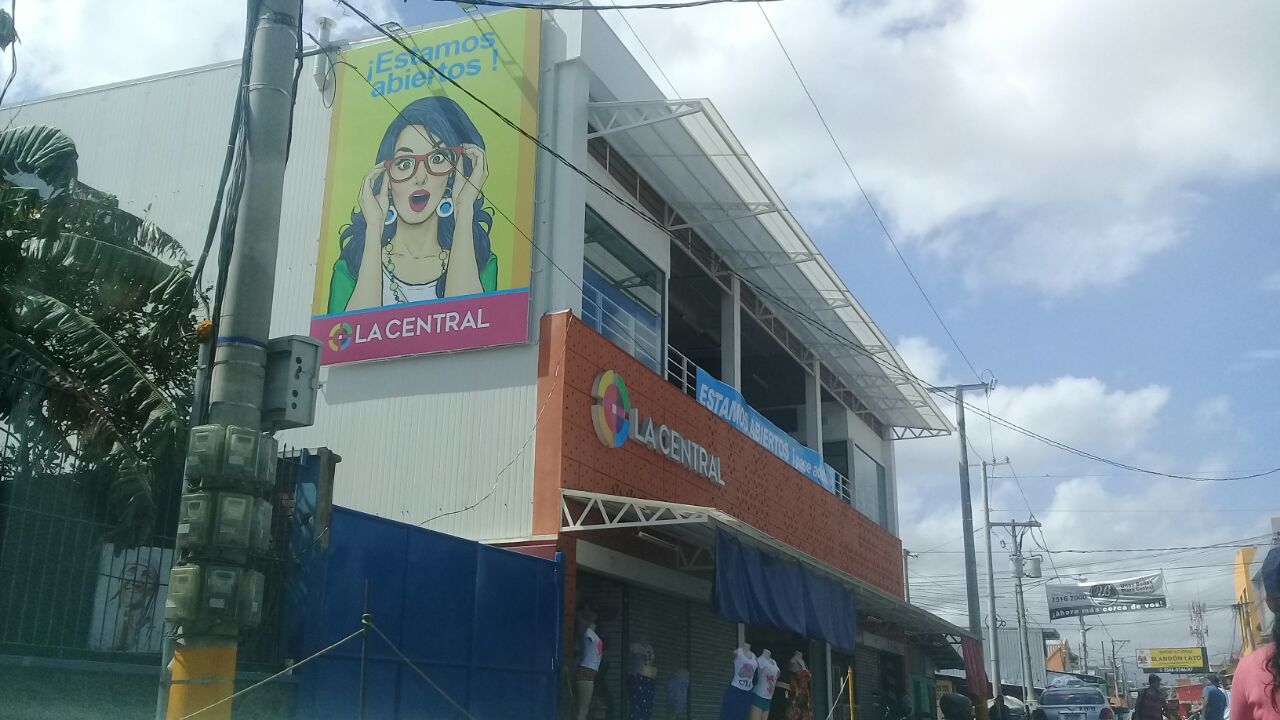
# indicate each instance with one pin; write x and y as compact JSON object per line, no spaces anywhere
{"x":481,"y":622}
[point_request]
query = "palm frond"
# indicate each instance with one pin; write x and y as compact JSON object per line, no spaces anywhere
{"x":41,"y":153}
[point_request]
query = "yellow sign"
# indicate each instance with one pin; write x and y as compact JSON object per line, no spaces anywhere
{"x":1174,"y":660}
{"x":425,"y":236}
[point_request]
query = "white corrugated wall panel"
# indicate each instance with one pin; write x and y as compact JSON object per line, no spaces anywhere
{"x":419,"y":437}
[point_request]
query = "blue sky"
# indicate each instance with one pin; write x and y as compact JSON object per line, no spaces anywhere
{"x":1090,"y":193}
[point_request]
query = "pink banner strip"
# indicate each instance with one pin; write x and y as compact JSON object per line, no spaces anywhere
{"x":462,"y":323}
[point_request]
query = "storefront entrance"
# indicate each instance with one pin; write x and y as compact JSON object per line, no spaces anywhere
{"x":692,"y":647}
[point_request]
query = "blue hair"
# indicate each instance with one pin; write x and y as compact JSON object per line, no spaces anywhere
{"x":447,"y":121}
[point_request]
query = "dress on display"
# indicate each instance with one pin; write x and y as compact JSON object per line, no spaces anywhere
{"x":640,"y":687}
{"x":799,"y":702}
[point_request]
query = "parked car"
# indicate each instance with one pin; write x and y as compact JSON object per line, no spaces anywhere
{"x":1073,"y":703}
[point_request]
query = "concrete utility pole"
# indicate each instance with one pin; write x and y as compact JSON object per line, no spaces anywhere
{"x":1084,"y":645}
{"x":1017,"y":530}
{"x":966,"y":516}
{"x":996,"y":677}
{"x":906,"y":568}
{"x":966,"y":510}
{"x":204,"y":665}
{"x":1121,"y":690}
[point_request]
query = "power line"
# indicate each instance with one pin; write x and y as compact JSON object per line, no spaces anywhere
{"x":645,"y":48}
{"x":866,"y":197}
{"x":609,"y":192}
{"x":991,"y":417}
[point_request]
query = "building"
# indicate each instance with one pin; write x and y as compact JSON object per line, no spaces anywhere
{"x":655,"y":374}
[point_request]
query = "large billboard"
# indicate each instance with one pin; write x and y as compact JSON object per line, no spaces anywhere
{"x":426,"y":235}
{"x":1174,"y":660}
{"x":1143,"y":592}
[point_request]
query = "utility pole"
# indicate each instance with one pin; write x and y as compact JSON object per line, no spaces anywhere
{"x":966,"y":510}
{"x":906,"y":567}
{"x":1199,"y":629}
{"x":1121,"y":689}
{"x":966,"y":517}
{"x":1084,"y":645}
{"x":229,"y":457}
{"x":1017,"y":530}
{"x":996,"y":677}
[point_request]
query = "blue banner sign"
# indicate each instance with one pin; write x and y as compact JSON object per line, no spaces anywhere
{"x":725,"y":401}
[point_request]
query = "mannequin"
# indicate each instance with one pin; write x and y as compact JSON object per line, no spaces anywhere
{"x":799,"y":679}
{"x":590,"y":651}
{"x":678,"y":695}
{"x":766,"y":681}
{"x":641,"y":681}
{"x":736,"y":702}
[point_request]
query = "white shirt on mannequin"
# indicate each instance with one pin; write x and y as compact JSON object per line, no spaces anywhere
{"x":744,"y":670}
{"x":592,"y":650}
{"x":766,"y":676}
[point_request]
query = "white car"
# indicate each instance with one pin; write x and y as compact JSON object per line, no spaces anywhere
{"x":1073,"y":703}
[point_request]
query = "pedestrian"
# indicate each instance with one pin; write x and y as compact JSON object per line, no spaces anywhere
{"x":1256,"y":684}
{"x":955,"y":706}
{"x":1214,"y":706}
{"x":999,"y":710}
{"x":1150,"y":704}
{"x":1226,"y":690}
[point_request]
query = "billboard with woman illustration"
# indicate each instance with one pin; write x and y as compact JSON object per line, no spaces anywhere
{"x":428,"y":211}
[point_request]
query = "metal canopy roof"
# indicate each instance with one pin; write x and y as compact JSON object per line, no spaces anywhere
{"x":695,"y":525}
{"x":684,"y":149}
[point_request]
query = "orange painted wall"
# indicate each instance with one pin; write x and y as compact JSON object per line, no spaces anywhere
{"x":758,"y":488}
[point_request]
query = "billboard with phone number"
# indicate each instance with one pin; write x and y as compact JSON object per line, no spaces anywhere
{"x":1174,"y":660}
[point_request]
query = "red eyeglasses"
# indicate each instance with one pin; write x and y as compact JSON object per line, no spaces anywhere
{"x":440,"y":161}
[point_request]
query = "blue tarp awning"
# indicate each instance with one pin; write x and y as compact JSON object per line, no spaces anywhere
{"x":752,"y":586}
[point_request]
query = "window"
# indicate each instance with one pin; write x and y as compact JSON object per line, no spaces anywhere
{"x":1072,"y":696}
{"x":871,"y":488}
{"x":623,"y":292}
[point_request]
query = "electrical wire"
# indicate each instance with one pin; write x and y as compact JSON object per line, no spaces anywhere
{"x":865,"y":196}
{"x":645,"y":48}
{"x":804,"y":317}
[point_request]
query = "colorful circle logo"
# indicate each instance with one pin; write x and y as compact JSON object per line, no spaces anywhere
{"x":612,"y":412}
{"x":340,"y":336}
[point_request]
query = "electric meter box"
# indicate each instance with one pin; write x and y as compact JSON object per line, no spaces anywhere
{"x":265,"y":477}
{"x":195,"y":521}
{"x":292,"y":377}
{"x":220,"y":595}
{"x":204,"y":451}
{"x":260,"y":531}
{"x":252,"y":586}
{"x":240,"y":466}
{"x":182,"y":601}
{"x":233,"y":525}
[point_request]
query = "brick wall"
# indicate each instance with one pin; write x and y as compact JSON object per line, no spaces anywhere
{"x":758,"y":488}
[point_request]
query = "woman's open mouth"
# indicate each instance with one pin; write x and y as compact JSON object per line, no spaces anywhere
{"x":418,"y":200}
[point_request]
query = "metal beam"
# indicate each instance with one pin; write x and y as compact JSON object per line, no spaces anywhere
{"x":613,"y":117}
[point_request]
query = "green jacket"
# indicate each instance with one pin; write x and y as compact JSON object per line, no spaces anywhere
{"x":344,"y":283}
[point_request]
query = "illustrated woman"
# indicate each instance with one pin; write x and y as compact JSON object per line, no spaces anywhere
{"x":421,"y":231}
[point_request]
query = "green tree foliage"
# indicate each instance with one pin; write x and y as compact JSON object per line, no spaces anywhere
{"x":96,"y":346}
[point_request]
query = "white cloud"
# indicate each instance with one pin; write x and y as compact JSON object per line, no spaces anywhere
{"x":1076,"y":131}
{"x":1083,"y":505}
{"x":924,"y":359}
{"x":1211,"y":413}
{"x":74,"y":44}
